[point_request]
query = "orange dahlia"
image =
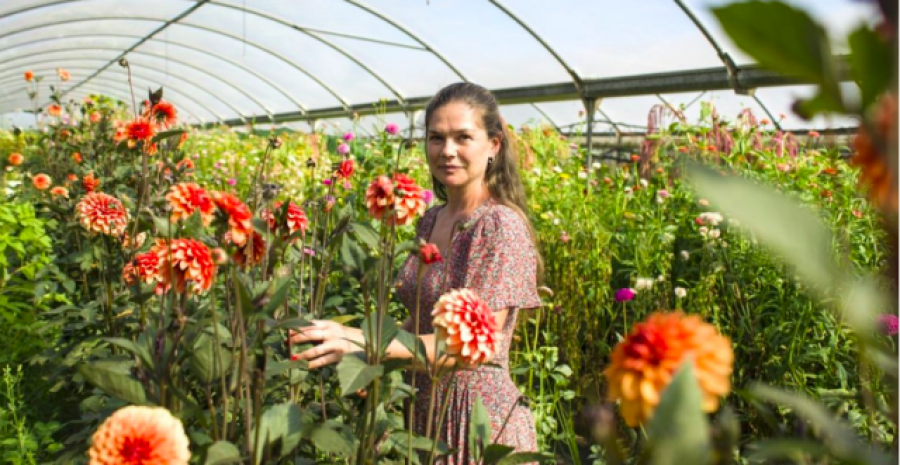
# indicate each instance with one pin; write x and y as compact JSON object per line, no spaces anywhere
{"x":16,"y":159}
{"x":186,"y":198}
{"x":54,"y":110}
{"x":60,"y":191}
{"x":380,"y":196}
{"x":644,"y":363}
{"x":41,"y":181}
{"x":95,"y":117}
{"x":29,"y":76}
{"x":139,"y":130}
{"x":875,"y":169}
{"x":102,"y":213}
{"x":90,"y":183}
{"x":240,"y":220}
{"x":294,"y":221}
{"x":140,"y":435}
{"x":184,"y":260}
{"x":409,"y":201}
{"x":144,"y":267}
{"x":466,"y":323}
{"x":136,"y":243}
{"x":251,"y":252}
{"x":163,"y":114}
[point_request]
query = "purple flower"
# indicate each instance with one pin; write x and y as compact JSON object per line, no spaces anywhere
{"x":392,"y":129}
{"x":888,"y":324}
{"x":327,"y":182}
{"x":232,"y":181}
{"x":427,"y":196}
{"x":343,"y":149}
{"x":625,"y":294}
{"x":348,"y":136}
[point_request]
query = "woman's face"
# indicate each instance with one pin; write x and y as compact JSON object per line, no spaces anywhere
{"x":458,"y":147}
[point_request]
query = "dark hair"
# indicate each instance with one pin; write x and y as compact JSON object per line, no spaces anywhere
{"x":502,"y":175}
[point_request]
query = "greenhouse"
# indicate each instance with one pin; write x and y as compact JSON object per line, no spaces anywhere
{"x":448,"y":231}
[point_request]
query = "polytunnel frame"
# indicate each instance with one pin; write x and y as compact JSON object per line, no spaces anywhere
{"x":6,"y":76}
{"x":140,"y":76}
{"x":589,"y":92}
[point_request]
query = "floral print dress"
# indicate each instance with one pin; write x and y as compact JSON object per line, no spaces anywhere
{"x":492,"y":255}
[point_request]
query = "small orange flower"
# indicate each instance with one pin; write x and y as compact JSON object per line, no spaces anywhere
{"x":139,"y":130}
{"x":830,"y":171}
{"x":77,"y":157}
{"x":140,"y":435}
{"x":468,"y":326}
{"x":183,"y":261}
{"x":72,"y":177}
{"x":380,"y":197}
{"x":60,"y":191}
{"x":240,"y":220}
{"x":186,"y":198}
{"x":95,"y":117}
{"x":102,"y":213}
{"x":63,"y":74}
{"x":635,"y":157}
{"x":41,"y":181}
{"x":183,"y":138}
{"x":185,"y":164}
{"x":408,"y":200}
{"x":16,"y":159}
{"x":29,"y":76}
{"x":54,"y":110}
{"x":644,"y":363}
{"x":163,"y":114}
{"x":90,"y":183}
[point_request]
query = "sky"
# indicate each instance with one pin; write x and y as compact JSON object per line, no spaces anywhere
{"x":220,"y":62}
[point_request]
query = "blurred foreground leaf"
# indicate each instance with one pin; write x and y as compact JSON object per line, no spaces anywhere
{"x":678,"y":432}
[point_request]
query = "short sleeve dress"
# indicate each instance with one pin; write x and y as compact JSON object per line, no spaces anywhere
{"x":494,"y":256}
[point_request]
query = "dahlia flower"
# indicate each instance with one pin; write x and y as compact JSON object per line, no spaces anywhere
{"x":429,"y":253}
{"x":102,"y":213}
{"x":90,"y":183}
{"x":343,"y":149}
{"x":16,"y":159}
{"x":29,"y":76}
{"x":408,"y":200}
{"x":163,"y":114}
{"x":346,"y":169}
{"x":60,"y":191}
{"x":136,"y":243}
{"x":240,"y":220}
{"x":144,"y":267}
{"x":95,"y":117}
{"x":41,"y":181}
{"x":139,"y":130}
{"x":644,"y":363}
{"x":625,"y":294}
{"x":888,"y":324}
{"x":467,"y":325}
{"x":348,"y":136}
{"x":380,"y":196}
{"x":184,"y":260}
{"x":251,"y":252}
{"x":140,"y":435}
{"x":392,"y":129}
{"x":54,"y":110}
{"x":63,"y":74}
{"x":186,"y":198}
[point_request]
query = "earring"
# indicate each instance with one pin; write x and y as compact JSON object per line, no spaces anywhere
{"x":490,"y":162}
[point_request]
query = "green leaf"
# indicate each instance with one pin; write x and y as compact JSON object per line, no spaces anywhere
{"x":869,"y":59}
{"x":354,"y":373}
{"x":788,"y":41}
{"x":524,"y":457}
{"x":135,"y":348}
{"x":330,"y":441}
{"x":495,"y":452}
{"x":410,"y":341}
{"x":352,"y":255}
{"x":781,"y":223}
{"x":208,"y":360}
{"x":280,"y":430}
{"x":389,"y":331}
{"x":839,"y":438}
{"x":785,"y":449}
{"x":168,"y":134}
{"x":222,"y":453}
{"x":114,"y":383}
{"x":366,"y":234}
{"x":479,"y":429}
{"x":281,"y":288}
{"x":678,"y":432}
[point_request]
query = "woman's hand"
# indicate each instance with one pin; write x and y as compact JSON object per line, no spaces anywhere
{"x":336,"y":341}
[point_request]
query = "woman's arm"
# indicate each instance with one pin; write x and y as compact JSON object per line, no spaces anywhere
{"x":337,"y":340}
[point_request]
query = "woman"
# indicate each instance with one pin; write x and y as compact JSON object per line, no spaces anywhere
{"x":474,"y":170}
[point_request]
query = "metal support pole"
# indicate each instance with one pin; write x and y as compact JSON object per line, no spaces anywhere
{"x":590,"y":107}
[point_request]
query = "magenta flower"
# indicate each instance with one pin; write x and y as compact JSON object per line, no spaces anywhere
{"x":348,"y":136}
{"x":348,"y":185}
{"x":427,"y":196}
{"x":392,"y":129}
{"x":888,"y":324}
{"x":625,"y":294}
{"x":327,"y":182}
{"x":232,"y":181}
{"x":343,"y":149}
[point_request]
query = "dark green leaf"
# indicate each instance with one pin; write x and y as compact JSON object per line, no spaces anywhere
{"x":366,"y":234}
{"x":208,"y":360}
{"x":135,"y":348}
{"x":114,"y":383}
{"x":524,"y":457}
{"x":389,"y":331}
{"x":222,"y":453}
{"x":869,"y":59}
{"x":479,"y":429}
{"x":495,"y":452}
{"x":352,"y":255}
{"x":354,"y":373}
{"x":414,"y":345}
{"x":282,"y":288}
{"x":330,"y":441}
{"x":280,"y":431}
{"x":678,"y":432}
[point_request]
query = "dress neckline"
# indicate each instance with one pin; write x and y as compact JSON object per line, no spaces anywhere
{"x":467,"y":223}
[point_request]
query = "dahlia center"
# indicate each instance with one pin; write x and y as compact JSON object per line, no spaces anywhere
{"x":136,"y":451}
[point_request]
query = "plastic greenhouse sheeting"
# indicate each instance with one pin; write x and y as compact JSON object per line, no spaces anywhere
{"x":232,"y":60}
